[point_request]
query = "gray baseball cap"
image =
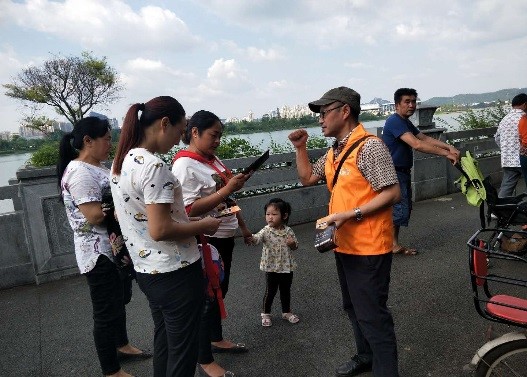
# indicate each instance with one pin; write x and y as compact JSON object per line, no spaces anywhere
{"x":340,"y":94}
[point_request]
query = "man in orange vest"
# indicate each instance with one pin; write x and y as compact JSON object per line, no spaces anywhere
{"x":361,"y":208}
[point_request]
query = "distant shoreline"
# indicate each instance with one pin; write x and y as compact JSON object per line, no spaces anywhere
{"x":9,"y":153}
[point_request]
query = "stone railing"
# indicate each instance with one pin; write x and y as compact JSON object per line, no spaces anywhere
{"x":38,"y":241}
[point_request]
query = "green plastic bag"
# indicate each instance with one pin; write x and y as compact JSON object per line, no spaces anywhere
{"x":471,"y":180}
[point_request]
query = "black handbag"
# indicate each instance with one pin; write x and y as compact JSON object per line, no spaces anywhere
{"x":326,"y":235}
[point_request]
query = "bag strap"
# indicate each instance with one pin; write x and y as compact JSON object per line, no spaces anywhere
{"x":224,"y":175}
{"x":345,"y":156}
{"x":213,"y":286}
{"x":211,"y":274}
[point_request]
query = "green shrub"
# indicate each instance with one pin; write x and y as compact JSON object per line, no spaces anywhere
{"x":235,"y":147}
{"x":317,"y":142}
{"x":276,"y":148}
{"x":488,"y":117}
{"x":46,"y":155}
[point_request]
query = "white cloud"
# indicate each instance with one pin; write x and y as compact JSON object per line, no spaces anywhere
{"x":109,"y":24}
{"x":409,"y":30}
{"x":359,"y":22}
{"x":226,"y":83}
{"x":358,"y":65}
{"x":281,"y":84}
{"x":148,"y":78}
{"x":225,"y":75}
{"x":253,"y":53}
{"x":144,"y":64}
{"x":236,"y":55}
{"x":10,"y":61}
{"x":258,"y":54}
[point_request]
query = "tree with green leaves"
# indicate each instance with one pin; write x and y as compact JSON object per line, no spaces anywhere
{"x":71,"y":85}
{"x":40,"y":123}
{"x":488,"y":117}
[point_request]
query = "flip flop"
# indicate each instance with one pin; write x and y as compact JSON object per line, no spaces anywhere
{"x":405,"y":251}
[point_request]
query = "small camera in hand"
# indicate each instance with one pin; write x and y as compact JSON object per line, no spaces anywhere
{"x":325,"y":239}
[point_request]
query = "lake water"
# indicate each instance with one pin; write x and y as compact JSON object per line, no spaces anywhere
{"x":8,"y":166}
{"x":264,"y":139}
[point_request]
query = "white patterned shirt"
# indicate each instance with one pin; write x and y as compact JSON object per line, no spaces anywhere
{"x":508,"y":139}
{"x":83,"y":183}
{"x":276,"y":255}
{"x":199,"y":180}
{"x":146,"y":179}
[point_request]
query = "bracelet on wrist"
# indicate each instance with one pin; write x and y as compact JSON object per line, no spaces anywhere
{"x":221,"y":196}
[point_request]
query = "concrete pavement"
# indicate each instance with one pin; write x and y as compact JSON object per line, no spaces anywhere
{"x":47,"y":330}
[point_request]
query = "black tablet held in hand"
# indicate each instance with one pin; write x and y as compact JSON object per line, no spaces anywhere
{"x":257,"y":163}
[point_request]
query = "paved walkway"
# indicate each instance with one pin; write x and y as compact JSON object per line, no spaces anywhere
{"x":46,"y":330}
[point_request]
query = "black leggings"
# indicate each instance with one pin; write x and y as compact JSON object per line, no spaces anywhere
{"x":275,"y":281}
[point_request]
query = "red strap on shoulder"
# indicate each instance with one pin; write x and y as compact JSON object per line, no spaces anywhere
{"x":225,"y":175}
{"x":193,"y":155}
{"x":213,"y":288}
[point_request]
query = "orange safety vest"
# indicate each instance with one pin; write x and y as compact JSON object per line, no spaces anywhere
{"x":373,"y":235}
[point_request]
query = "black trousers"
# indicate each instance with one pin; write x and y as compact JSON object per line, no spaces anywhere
{"x":210,"y":313}
{"x":225,"y":247}
{"x":109,"y":315}
{"x":176,"y":301}
{"x":278,"y":281}
{"x":364,"y":283}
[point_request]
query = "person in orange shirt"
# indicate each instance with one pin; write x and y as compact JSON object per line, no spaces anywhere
{"x":361,"y":208}
{"x":519,"y":102}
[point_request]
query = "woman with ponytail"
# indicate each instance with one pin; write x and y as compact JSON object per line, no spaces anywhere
{"x":207,"y":187}
{"x":82,"y":180}
{"x":158,"y":233}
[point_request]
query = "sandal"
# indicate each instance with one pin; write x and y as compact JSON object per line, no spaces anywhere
{"x":266,"y":320}
{"x":405,"y":251}
{"x":292,"y":318}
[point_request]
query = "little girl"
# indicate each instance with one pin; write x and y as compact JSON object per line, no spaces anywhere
{"x":277,"y":260}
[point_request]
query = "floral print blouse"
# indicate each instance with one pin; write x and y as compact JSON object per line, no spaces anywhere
{"x":276,"y":255}
{"x":83,"y":183}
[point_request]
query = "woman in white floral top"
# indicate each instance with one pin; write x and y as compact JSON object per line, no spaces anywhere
{"x":82,"y":179}
{"x":158,"y":233}
{"x":277,"y":260}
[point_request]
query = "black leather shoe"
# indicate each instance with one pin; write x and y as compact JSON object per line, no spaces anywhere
{"x":354,"y":367}
{"x":134,"y":356}
{"x":236,"y":348}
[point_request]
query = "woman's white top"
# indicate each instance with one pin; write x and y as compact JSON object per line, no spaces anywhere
{"x":200,"y":180}
{"x":83,"y":183}
{"x":145,"y":179}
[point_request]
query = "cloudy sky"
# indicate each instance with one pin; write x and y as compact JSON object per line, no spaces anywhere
{"x":236,"y":56}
